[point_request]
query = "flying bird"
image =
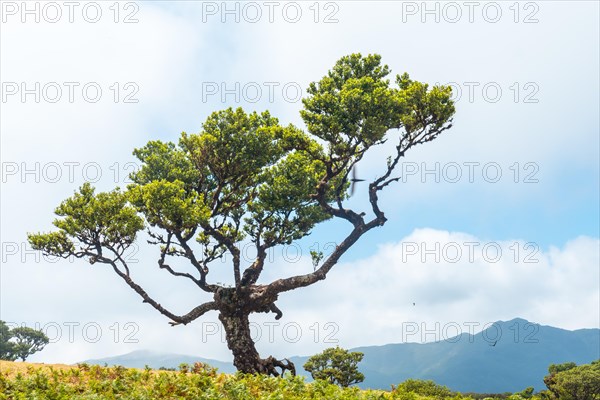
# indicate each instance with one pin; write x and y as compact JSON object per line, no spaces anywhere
{"x":354,"y":180}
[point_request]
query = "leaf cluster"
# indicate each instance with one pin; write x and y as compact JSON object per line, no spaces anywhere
{"x":94,"y":221}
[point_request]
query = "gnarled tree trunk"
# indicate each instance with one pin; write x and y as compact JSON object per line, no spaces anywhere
{"x":234,"y":311}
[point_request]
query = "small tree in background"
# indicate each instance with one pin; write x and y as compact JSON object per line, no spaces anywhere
{"x":28,"y":341}
{"x":570,"y":382}
{"x":423,"y":388}
{"x":6,"y":347}
{"x":20,"y":342}
{"x":336,"y":365}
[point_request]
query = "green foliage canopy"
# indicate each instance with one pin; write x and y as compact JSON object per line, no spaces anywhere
{"x":95,"y":221}
{"x":247,"y":177}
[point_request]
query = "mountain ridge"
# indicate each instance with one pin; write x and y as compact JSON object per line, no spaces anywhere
{"x":507,"y":356}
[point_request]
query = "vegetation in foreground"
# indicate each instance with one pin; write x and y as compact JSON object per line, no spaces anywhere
{"x":197,"y":382}
{"x":31,"y":381}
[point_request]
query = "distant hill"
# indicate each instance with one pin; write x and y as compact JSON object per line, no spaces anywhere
{"x":153,"y":359}
{"x":467,"y":363}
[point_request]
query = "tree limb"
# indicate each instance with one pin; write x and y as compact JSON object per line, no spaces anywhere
{"x":185,"y":319}
{"x":195,"y":313}
{"x":287,"y":284}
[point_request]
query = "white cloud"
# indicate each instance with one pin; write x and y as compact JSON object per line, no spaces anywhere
{"x":371,"y":299}
{"x":363,"y":302}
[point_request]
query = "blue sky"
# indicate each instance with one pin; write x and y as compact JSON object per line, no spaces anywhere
{"x":533,"y":109}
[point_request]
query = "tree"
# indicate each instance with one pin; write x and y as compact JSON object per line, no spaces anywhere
{"x":424,"y":388}
{"x":247,"y":179}
{"x":20,"y":342}
{"x":570,"y":382}
{"x":28,"y":341}
{"x":336,"y":365}
{"x":6,"y":346}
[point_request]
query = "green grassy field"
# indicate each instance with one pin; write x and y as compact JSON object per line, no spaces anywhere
{"x":58,"y":381}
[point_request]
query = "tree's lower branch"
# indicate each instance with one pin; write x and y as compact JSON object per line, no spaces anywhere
{"x":195,"y":313}
{"x":185,"y":319}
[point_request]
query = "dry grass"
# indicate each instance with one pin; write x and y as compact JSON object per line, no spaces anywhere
{"x":11,"y":368}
